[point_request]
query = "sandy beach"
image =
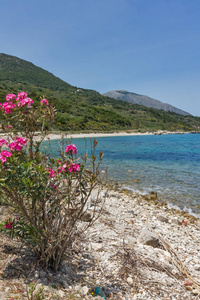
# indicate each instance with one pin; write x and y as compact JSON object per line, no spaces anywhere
{"x":54,"y":136}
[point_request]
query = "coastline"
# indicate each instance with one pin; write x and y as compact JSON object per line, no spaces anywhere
{"x":138,"y":248}
{"x":55,"y":136}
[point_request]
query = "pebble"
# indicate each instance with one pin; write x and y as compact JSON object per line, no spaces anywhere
{"x":84,"y":290}
{"x":197,"y":267}
{"x":36,"y":275}
{"x":116,"y":254}
{"x":149,"y":238}
{"x":141,"y":226}
{"x":130,"y":280}
{"x":163,"y":219}
{"x":61,"y":294}
{"x":42,"y":274}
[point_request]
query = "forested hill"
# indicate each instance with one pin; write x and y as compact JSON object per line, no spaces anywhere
{"x":14,"y":69}
{"x":80,"y":109}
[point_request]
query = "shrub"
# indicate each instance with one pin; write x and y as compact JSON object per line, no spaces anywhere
{"x":48,"y":197}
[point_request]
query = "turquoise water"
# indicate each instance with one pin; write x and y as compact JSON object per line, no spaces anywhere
{"x":168,"y":164}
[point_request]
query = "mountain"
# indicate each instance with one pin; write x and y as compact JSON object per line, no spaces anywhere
{"x":14,"y":69}
{"x":84,"y":110}
{"x":143,"y":100}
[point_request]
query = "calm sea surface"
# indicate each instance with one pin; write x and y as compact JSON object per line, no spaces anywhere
{"x":168,"y":164}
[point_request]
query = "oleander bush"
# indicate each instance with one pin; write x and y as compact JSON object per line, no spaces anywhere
{"x":48,"y":197}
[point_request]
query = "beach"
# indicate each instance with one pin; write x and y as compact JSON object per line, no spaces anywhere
{"x":57,"y":136}
{"x":137,"y":249}
{"x":54,"y":136}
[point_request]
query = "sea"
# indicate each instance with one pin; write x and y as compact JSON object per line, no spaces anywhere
{"x":168,"y":164}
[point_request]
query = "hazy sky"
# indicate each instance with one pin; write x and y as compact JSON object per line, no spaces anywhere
{"x":150,"y":47}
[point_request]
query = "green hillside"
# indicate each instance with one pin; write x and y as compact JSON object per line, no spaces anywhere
{"x":16,"y":70}
{"x":85,"y":110}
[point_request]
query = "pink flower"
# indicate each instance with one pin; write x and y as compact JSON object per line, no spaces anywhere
{"x":17,"y":144}
{"x":2,"y":158}
{"x":9,"y":126}
{"x":8,"y":107}
{"x":6,"y":153}
{"x":71,"y":148}
{"x":8,"y":225}
{"x":2,"y":142}
{"x":21,"y":140}
{"x":13,"y":146}
{"x":25,"y":101}
{"x":21,"y":96}
{"x":55,"y":187}
{"x":63,"y":168}
{"x":10,"y":97}
{"x":65,"y":165}
{"x":74,"y":167}
{"x":77,"y":168}
{"x":52,"y":173}
{"x":44,"y":102}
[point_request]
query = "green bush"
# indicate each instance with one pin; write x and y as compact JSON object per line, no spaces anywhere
{"x":48,"y":197}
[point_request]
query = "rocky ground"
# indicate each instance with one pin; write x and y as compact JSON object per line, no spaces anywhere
{"x":137,"y":249}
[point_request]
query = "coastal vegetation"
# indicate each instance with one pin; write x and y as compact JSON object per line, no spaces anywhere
{"x":47,"y":197}
{"x":83,"y":110}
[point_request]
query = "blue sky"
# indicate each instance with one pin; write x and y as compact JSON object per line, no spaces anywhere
{"x":149,"y":47}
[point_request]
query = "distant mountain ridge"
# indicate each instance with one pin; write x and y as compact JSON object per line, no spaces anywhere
{"x":143,"y":100}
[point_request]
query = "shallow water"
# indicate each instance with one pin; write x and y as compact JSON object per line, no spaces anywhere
{"x":168,"y":164}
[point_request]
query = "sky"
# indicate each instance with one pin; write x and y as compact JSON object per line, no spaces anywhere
{"x":149,"y":47}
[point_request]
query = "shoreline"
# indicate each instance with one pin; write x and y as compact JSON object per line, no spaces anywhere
{"x":138,"y":248}
{"x":55,"y":136}
{"x":187,"y":211}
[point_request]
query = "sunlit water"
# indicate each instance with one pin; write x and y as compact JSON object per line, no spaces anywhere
{"x":168,"y":164}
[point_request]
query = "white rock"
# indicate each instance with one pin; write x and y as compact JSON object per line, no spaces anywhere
{"x":36,"y":274}
{"x":197,"y":267}
{"x":130,"y":280}
{"x":61,"y":294}
{"x":96,"y":246}
{"x":149,"y":238}
{"x":84,"y":290}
